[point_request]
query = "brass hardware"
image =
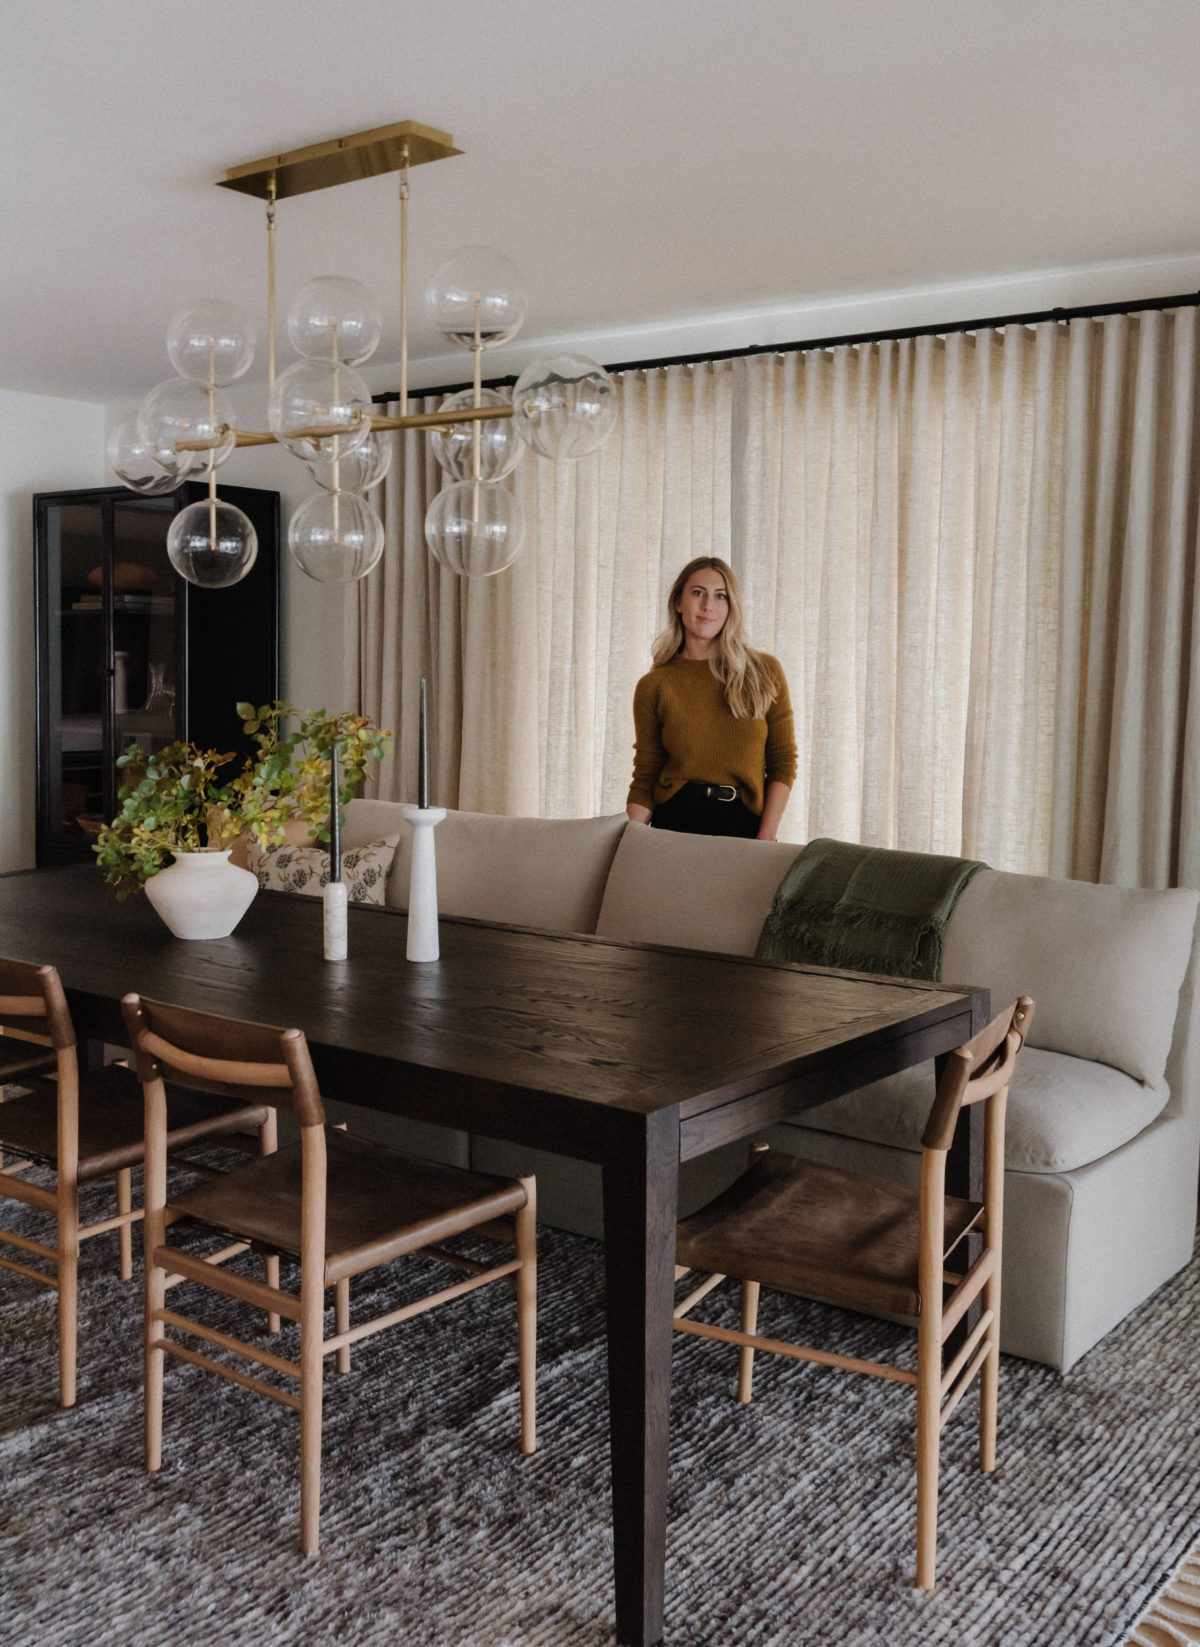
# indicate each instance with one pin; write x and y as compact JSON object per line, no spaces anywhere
{"x":404,"y":160}
{"x":342,"y":160}
{"x":380,"y":425}
{"x":272,"y":195}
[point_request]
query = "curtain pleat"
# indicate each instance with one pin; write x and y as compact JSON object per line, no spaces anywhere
{"x":975,"y":557}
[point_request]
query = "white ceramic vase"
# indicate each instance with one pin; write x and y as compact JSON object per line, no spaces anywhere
{"x":202,"y":895}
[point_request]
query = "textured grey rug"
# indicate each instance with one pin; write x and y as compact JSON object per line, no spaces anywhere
{"x":791,"y":1521}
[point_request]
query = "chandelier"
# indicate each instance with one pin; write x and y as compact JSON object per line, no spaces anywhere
{"x":320,"y":408}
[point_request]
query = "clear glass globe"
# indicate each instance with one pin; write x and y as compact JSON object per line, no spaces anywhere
{"x":335,"y":537}
{"x":211,"y":342}
{"x":318,"y":395}
{"x":565,"y":405}
{"x":179,"y":413}
{"x":142,"y":467}
{"x":477,"y":279}
{"x":335,"y":318}
{"x":363,"y":468}
{"x":475,"y":529}
{"x":212,"y":545}
{"x":500,"y":449}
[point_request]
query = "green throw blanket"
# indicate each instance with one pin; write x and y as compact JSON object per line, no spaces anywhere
{"x":865,"y":909}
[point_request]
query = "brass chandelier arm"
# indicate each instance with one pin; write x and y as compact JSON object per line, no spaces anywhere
{"x":439,"y":420}
{"x":380,"y":425}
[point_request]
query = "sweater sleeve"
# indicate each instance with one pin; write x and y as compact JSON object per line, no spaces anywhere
{"x":648,"y":753}
{"x":781,"y":734}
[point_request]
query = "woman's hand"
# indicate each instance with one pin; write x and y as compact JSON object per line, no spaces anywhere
{"x":638,"y":814}
{"x":773,"y":805}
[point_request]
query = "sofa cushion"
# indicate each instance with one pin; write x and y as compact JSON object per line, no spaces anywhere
{"x":541,"y":872}
{"x":1103,"y":963}
{"x":371,"y":821}
{"x":305,"y":869}
{"x":692,"y":891}
{"x":1063,"y":1112}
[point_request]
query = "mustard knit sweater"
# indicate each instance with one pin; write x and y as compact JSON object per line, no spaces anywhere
{"x":686,"y":733}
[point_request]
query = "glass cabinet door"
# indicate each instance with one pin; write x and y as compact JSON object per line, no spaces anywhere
{"x":75,"y":758}
{"x":108,"y":652}
{"x":144,"y":649}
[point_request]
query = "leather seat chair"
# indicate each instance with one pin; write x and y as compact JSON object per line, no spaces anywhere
{"x":877,"y":1246}
{"x":339,"y":1205}
{"x":84,"y":1128}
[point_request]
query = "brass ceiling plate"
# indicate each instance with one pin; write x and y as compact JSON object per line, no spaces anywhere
{"x":343,"y":160}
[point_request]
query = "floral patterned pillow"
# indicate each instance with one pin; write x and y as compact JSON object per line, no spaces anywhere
{"x":306,"y":869}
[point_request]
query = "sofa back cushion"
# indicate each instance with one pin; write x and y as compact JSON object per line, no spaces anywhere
{"x":1103,"y":963}
{"x":693,"y":891}
{"x":542,"y":872}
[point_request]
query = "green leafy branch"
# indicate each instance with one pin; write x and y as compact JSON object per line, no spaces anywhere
{"x":183,"y":799}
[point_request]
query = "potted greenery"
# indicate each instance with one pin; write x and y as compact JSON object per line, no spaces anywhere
{"x":184,"y":803}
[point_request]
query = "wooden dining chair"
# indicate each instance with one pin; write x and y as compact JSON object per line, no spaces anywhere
{"x":873,"y":1245}
{"x":84,"y":1128}
{"x":338,"y":1204}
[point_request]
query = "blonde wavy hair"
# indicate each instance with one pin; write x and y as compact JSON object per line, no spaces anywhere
{"x":750,"y":687}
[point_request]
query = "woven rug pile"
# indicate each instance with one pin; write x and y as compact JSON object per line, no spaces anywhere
{"x":791,"y":1521}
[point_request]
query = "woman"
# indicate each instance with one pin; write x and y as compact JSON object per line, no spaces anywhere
{"x":715,"y":752}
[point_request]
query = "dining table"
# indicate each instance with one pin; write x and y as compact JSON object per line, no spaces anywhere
{"x":633,"y":1056}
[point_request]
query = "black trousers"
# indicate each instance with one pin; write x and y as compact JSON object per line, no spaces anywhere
{"x":691,"y":812}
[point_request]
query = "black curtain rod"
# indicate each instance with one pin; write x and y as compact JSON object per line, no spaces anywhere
{"x":1091,"y":311}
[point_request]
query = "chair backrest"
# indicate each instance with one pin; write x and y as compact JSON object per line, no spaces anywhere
{"x":978,"y":1070}
{"x":33,"y":1004}
{"x":254,"y":1063}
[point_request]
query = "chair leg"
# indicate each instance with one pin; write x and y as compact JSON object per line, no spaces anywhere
{"x":271,"y":1269}
{"x":750,"y":1292}
{"x":125,"y":1232}
{"x":68,"y":1296}
{"x":312,"y":1367}
{"x":341,"y":1317}
{"x":989,"y":1379}
{"x":156,"y":1293}
{"x":526,"y":1222}
{"x":929,"y":1405}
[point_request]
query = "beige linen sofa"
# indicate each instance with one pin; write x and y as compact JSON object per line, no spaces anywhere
{"x":1104,"y":1118}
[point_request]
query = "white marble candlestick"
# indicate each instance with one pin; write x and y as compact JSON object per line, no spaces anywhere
{"x":336,"y":921}
{"x":422,"y":884}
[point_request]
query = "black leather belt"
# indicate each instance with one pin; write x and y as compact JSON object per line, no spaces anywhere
{"x":715,"y":791}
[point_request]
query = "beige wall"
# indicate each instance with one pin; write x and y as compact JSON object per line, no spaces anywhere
{"x":45,"y":444}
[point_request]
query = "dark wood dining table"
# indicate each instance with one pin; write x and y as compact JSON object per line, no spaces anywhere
{"x":633,"y":1056}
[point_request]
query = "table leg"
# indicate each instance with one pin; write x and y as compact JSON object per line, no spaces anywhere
{"x":641,"y":1178}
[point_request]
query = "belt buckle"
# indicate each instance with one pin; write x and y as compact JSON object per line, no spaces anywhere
{"x":725,"y":791}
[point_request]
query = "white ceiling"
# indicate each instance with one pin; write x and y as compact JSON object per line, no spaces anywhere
{"x":643,"y":161}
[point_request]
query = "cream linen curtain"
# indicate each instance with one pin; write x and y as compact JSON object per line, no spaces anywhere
{"x":975,"y":557}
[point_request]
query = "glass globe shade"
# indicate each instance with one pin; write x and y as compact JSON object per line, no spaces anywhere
{"x":363,"y":468}
{"x":320,"y":395}
{"x":144,"y":468}
{"x":211,"y":342}
{"x":212,"y":544}
{"x":477,"y":278}
{"x":335,"y":537}
{"x":475,"y":529}
{"x":335,"y":318}
{"x":565,"y":405}
{"x":179,"y":412}
{"x":500,"y":449}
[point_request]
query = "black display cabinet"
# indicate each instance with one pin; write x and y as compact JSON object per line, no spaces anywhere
{"x":127,"y":651}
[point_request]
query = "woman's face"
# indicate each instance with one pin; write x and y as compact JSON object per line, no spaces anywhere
{"x":703,"y":606}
